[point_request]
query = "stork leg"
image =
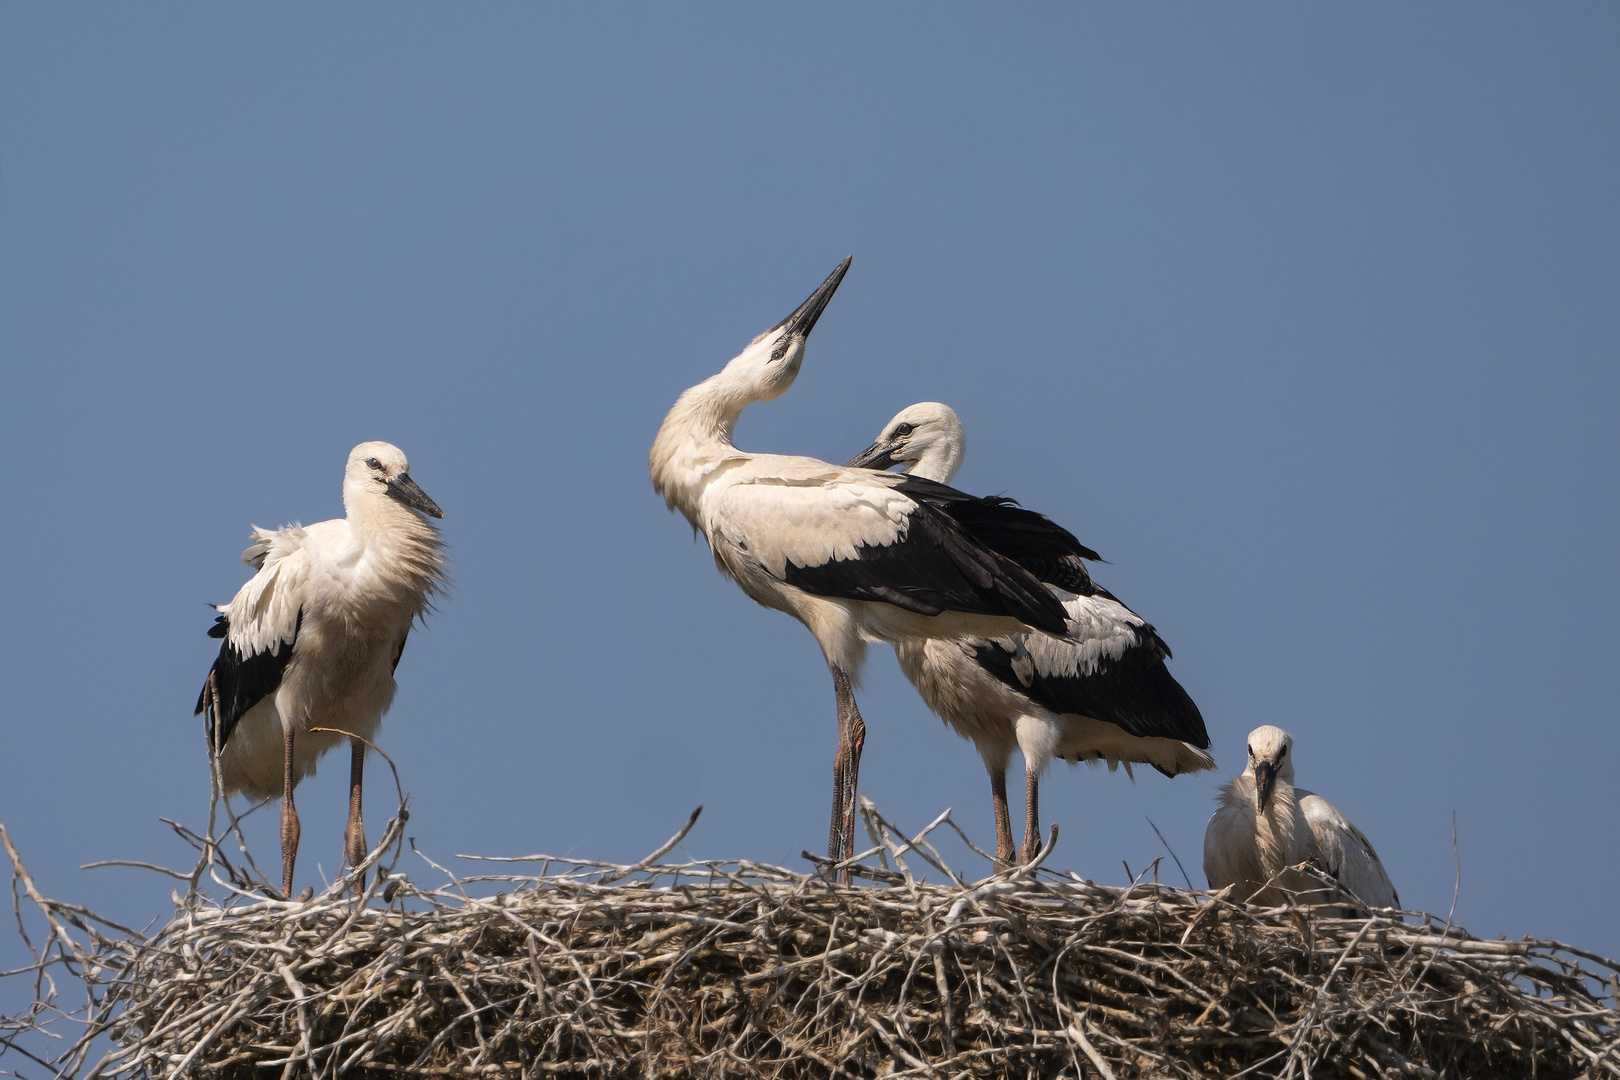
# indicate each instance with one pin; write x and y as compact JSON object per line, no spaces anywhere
{"x":1032,"y":817}
{"x":998,"y":800}
{"x":289,"y":814}
{"x":846,"y":771}
{"x":354,"y":834}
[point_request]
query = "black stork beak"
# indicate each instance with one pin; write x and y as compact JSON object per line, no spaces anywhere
{"x":404,"y":489}
{"x":1265,"y":778}
{"x":880,"y":455}
{"x":803,"y":320}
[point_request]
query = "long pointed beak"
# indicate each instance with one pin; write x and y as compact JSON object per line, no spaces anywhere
{"x":403,"y":488}
{"x":1265,"y":778}
{"x":803,"y":320}
{"x":880,"y":455}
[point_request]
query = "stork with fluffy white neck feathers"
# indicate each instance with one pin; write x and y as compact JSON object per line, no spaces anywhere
{"x":856,"y":556}
{"x":1099,"y":692}
{"x":1265,"y":827}
{"x":313,"y":638}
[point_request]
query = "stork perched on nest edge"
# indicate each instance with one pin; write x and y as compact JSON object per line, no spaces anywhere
{"x":313,"y":639}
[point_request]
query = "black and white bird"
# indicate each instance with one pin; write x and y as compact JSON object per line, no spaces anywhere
{"x":1265,"y":828}
{"x":313,"y":638}
{"x":1098,"y":692}
{"x":854,"y":555}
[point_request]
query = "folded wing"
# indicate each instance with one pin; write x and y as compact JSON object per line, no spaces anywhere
{"x":918,"y":545}
{"x":259,"y":628}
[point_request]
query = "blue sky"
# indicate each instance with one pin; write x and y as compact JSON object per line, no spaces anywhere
{"x":1304,"y":317}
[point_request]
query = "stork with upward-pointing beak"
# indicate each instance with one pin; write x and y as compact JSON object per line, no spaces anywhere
{"x":853,"y":554}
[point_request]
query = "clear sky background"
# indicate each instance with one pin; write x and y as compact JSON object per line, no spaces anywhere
{"x":1307,"y":318}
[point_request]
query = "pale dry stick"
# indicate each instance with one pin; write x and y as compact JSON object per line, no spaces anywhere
{"x":968,"y":842}
{"x":46,"y":907}
{"x":1076,"y":1031}
{"x":235,"y":820}
{"x":880,"y":836}
{"x":1456,"y":889}
{"x":650,"y":860}
{"x":872,"y":834}
{"x":297,"y":990}
{"x":1172,"y":852}
{"x":216,"y":788}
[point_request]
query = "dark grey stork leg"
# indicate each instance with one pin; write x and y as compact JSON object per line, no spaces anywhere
{"x":998,"y":798}
{"x":846,"y":771}
{"x":289,"y":814}
{"x":1032,"y":817}
{"x":354,"y":834}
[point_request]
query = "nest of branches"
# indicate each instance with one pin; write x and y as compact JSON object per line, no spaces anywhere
{"x":737,"y":969}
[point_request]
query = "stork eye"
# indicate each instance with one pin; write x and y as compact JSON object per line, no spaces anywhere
{"x":1284,"y":752}
{"x":903,"y":430}
{"x":373,"y":463}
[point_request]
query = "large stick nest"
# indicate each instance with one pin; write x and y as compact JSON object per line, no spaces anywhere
{"x":738,"y":969}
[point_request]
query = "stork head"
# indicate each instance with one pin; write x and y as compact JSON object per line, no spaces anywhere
{"x":926,"y":438}
{"x":1270,"y":760}
{"x":771,"y":362}
{"x":380,"y":468}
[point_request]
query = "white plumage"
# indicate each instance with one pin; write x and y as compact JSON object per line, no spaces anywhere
{"x":854,"y":555}
{"x":1098,"y":693}
{"x":1265,"y":827}
{"x":313,"y":638}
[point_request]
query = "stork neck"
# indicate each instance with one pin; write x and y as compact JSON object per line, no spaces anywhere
{"x":710,"y":409}
{"x":938,"y":463}
{"x":694,"y":437}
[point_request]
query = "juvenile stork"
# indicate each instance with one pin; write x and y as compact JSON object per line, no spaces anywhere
{"x":1265,"y":826}
{"x":1100,"y":692}
{"x":854,"y":555}
{"x":313,"y":638}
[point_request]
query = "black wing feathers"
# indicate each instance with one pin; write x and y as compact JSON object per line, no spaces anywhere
{"x":938,"y":567}
{"x":399,"y":652}
{"x":236,"y":683}
{"x":962,"y":553}
{"x":1033,"y":541}
{"x":1136,"y":692}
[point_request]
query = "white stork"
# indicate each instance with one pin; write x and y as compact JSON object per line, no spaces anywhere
{"x":1265,"y":827}
{"x":313,"y":638}
{"x":1100,"y":692}
{"x":855,"y":555}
